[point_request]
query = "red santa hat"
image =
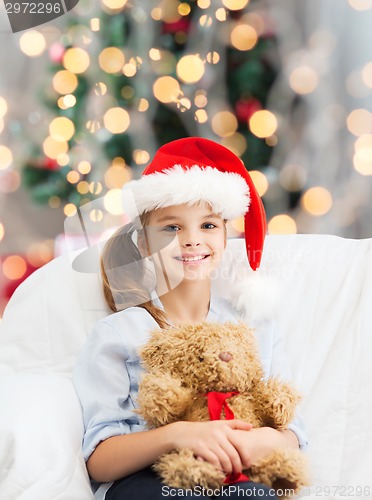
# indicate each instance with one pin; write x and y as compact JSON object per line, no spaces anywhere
{"x":195,"y":169}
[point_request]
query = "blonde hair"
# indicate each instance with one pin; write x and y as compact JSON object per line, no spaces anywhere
{"x":123,"y":289}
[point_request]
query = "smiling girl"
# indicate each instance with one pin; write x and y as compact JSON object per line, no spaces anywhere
{"x":156,"y":272}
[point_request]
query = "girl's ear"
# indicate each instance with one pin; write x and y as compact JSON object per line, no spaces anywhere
{"x":142,"y":244}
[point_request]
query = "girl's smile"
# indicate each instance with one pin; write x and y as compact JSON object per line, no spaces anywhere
{"x":185,"y":242}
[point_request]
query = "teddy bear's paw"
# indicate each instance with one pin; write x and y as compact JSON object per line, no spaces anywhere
{"x":180,"y":469}
{"x":285,"y":470}
{"x":162,"y":399}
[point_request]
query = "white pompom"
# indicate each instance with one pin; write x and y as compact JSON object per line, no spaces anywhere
{"x":256,"y":297}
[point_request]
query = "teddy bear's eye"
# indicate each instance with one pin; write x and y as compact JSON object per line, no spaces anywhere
{"x":201,"y":358}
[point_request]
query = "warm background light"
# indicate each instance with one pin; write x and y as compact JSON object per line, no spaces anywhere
{"x":201,"y":116}
{"x":282,"y":224}
{"x":112,"y":201}
{"x":190,"y":68}
{"x":70,"y":210}
{"x":263,"y":123}
{"x":166,"y":89}
{"x":14,"y":267}
{"x":54,"y":148}
{"x":224,"y":123}
{"x":2,"y":231}
{"x":32,"y":43}
{"x":260,"y":181}
{"x":359,"y":122}
{"x":114,"y":4}
{"x":111,"y":60}
{"x":303,"y":80}
{"x":76,"y":60}
{"x":61,"y":128}
{"x":317,"y":201}
{"x":236,"y":143}
{"x":235,"y":4}
{"x":39,"y":254}
{"x":117,"y":176}
{"x":361,"y":4}
{"x":3,"y":107}
{"x":244,"y":37}
{"x":65,"y":82}
{"x":6,"y":157}
{"x":116,"y":120}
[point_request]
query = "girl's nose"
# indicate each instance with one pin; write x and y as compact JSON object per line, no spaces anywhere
{"x":190,"y":244}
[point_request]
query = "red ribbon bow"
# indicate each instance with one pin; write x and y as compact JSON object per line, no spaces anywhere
{"x":216,"y":403}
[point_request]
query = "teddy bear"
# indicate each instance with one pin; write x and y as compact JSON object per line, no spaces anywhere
{"x":204,"y":371}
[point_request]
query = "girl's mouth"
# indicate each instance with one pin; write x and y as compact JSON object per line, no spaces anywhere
{"x":191,"y":258}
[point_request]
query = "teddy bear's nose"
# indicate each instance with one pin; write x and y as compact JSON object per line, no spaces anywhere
{"x":225,"y":356}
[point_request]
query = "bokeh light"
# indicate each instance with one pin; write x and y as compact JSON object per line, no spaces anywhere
{"x":361,"y":4}
{"x":116,"y":120}
{"x":111,"y":60}
{"x":359,"y":122}
{"x":53,"y":148}
{"x":65,"y":82}
{"x":263,"y":123}
{"x":236,"y":143}
{"x":39,"y":254}
{"x":14,"y":267}
{"x":116,"y":176}
{"x":61,"y":128}
{"x":224,"y":123}
{"x":6,"y":157}
{"x":76,"y":60}
{"x":166,"y":89}
{"x":282,"y":224}
{"x":317,"y":201}
{"x":235,"y":4}
{"x":190,"y":68}
{"x":260,"y":181}
{"x":3,"y":107}
{"x":244,"y":37}
{"x":114,"y":4}
{"x":303,"y":80}
{"x":69,"y":210}
{"x":32,"y":43}
{"x":140,"y":156}
{"x":112,"y":201}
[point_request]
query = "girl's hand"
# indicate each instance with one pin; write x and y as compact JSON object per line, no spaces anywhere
{"x":259,"y":442}
{"x":212,"y":442}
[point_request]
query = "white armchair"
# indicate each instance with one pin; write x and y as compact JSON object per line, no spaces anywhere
{"x":325,"y":313}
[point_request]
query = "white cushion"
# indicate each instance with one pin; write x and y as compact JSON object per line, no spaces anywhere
{"x":324,"y":313}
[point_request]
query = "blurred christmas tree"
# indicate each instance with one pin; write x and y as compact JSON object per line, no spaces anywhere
{"x":131,"y":76}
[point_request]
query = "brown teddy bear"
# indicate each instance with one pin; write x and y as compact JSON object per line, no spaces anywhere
{"x":190,"y":368}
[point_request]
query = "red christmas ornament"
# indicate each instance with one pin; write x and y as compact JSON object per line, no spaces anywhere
{"x":56,"y":52}
{"x":245,"y":108}
{"x":181,"y":25}
{"x":49,"y":164}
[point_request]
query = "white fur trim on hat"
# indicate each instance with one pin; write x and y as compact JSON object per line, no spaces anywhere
{"x":256,"y":297}
{"x":226,"y":192}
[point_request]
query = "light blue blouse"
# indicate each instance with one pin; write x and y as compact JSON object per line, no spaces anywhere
{"x":108,"y":369}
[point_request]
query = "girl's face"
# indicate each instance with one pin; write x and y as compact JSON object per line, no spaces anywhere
{"x":185,"y":242}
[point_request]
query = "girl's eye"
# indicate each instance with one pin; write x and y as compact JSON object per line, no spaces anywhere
{"x":171,"y":228}
{"x":208,"y":225}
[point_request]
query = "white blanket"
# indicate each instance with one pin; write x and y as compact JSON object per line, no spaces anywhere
{"x":325,"y":313}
